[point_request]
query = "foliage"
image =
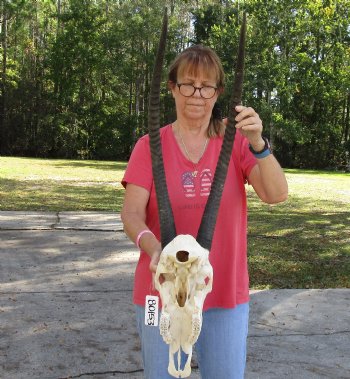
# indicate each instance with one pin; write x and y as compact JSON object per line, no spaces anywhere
{"x":76,"y":73}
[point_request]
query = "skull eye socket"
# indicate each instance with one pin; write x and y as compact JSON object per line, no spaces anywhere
{"x":182,"y":255}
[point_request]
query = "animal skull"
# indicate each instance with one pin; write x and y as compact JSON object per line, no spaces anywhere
{"x":184,"y":278}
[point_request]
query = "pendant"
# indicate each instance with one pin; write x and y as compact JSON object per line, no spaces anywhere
{"x":194,"y":173}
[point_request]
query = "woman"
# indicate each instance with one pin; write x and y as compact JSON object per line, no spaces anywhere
{"x":191,"y":146}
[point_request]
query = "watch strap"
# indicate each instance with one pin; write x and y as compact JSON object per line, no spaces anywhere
{"x":264,"y":152}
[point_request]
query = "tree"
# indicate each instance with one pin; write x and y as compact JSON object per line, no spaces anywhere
{"x":75,"y":73}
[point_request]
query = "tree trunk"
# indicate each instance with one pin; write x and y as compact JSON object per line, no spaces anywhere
{"x":272,"y":127}
{"x":347,"y":120}
{"x":3,"y":81}
{"x":58,"y":28}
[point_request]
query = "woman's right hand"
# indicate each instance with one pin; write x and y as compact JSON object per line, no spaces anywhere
{"x":153,"y":268}
{"x":154,"y":261}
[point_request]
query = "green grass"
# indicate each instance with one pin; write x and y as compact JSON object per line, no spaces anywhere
{"x":55,"y":185}
{"x":302,"y":243}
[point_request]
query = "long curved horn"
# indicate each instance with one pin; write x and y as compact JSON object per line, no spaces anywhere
{"x":166,"y":218}
{"x":207,"y":226}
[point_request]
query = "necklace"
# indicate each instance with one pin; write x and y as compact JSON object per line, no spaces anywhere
{"x":195,"y":170}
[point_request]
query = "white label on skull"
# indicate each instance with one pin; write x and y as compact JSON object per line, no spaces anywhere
{"x":151,"y":310}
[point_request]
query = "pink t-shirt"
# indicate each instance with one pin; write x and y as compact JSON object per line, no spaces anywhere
{"x":188,"y":196}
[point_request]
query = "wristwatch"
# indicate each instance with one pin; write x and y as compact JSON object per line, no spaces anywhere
{"x":266,"y":150}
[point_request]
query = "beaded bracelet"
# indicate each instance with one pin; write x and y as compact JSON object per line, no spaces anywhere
{"x":140,"y":235}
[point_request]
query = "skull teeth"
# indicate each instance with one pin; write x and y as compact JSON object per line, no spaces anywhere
{"x":196,"y":328}
{"x":164,"y":325}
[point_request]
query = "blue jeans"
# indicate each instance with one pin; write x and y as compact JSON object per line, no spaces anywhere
{"x":220,"y":348}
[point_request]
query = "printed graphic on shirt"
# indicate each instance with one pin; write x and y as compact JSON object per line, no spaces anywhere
{"x":188,"y":184}
{"x":199,"y":184}
{"x":205,"y":182}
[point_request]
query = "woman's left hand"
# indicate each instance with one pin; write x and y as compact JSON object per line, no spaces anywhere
{"x":250,"y":125}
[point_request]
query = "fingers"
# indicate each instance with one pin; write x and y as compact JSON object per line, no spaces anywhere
{"x":244,"y":112}
{"x":247,"y":119}
{"x":250,"y":124}
{"x":154,"y":262}
{"x":239,"y":108}
{"x":153,"y":268}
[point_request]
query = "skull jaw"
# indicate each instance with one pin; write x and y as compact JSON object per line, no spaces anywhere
{"x":169,"y":330}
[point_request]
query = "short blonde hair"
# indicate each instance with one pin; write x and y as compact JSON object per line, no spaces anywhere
{"x":200,"y":58}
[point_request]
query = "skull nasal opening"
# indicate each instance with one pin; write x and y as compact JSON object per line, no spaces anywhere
{"x":182,"y":255}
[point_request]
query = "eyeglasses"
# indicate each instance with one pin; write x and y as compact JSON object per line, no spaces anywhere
{"x":188,"y":90}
